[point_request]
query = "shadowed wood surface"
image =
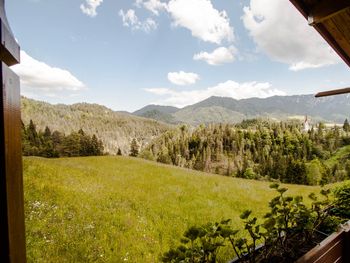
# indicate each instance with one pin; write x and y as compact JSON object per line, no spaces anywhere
{"x":332,"y":20}
{"x":12,"y":214}
{"x":333,"y":249}
{"x":332,"y":92}
{"x":9,"y":51}
{"x":12,"y":232}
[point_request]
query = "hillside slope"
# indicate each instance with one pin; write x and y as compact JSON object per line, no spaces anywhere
{"x":157,"y":112}
{"x":120,"y":209}
{"x":229,"y":110}
{"x":115,"y":129}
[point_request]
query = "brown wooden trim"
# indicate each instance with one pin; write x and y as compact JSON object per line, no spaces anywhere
{"x":332,"y":92}
{"x":11,"y":184}
{"x":334,"y":248}
{"x":333,"y":43}
{"x":320,"y":250}
{"x":305,"y":11}
{"x":301,"y":7}
{"x":326,"y":9}
{"x":9,"y":48}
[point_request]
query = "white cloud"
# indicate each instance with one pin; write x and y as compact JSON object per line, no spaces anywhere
{"x":219,"y":56}
{"x":152,"y":5}
{"x":40,"y":78}
{"x":90,"y":6}
{"x":159,"y":91}
{"x":202,"y":19}
{"x":283,"y":34}
{"x":229,"y":88}
{"x":131,"y":20}
{"x":183,"y":78}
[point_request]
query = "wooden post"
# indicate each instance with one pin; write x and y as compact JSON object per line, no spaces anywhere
{"x":12,"y":232}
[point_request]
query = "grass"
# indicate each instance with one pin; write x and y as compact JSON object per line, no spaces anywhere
{"x":342,"y":154}
{"x":120,"y":209}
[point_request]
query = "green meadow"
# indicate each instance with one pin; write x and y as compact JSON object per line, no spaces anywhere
{"x":121,"y":209}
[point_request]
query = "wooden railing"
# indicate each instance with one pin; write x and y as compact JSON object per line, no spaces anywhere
{"x":335,"y":248}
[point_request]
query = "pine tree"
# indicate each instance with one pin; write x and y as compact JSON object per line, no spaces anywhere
{"x":119,"y":152}
{"x":32,"y":134}
{"x":346,"y":126}
{"x":134,"y":148}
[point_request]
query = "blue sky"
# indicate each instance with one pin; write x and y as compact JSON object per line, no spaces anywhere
{"x":127,"y":54}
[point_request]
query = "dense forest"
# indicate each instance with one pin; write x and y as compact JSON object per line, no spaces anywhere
{"x":114,"y":129}
{"x":257,"y":149}
{"x":56,"y":144}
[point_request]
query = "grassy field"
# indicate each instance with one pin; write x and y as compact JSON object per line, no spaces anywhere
{"x":342,"y":154}
{"x":120,"y":209}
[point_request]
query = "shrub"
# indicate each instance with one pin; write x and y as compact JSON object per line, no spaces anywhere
{"x":342,"y":201}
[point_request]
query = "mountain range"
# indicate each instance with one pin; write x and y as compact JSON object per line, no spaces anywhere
{"x":117,"y":129}
{"x":221,"y":109}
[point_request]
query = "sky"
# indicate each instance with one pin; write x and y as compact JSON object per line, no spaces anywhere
{"x":126,"y":54}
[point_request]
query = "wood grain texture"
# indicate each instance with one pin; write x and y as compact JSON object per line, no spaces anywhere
{"x":333,"y":28}
{"x":332,"y":92}
{"x":334,"y":249}
{"x":12,"y":212}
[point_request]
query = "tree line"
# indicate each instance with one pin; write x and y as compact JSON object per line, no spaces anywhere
{"x":56,"y":144}
{"x":256,"y":149}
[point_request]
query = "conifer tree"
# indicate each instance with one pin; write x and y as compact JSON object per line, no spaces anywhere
{"x":134,"y":148}
{"x":346,"y":126}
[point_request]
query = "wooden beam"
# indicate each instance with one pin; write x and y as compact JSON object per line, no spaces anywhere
{"x":332,"y":92}
{"x":304,"y":9}
{"x":301,"y":7}
{"x":326,"y":9}
{"x":12,"y":230}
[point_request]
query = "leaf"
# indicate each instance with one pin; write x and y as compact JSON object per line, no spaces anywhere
{"x":194,"y":232}
{"x":282,"y":190}
{"x":274,"y":186}
{"x":225,"y":221}
{"x":288,"y":199}
{"x":184,"y":240}
{"x":269,"y":223}
{"x":313,"y":197}
{"x":245,"y":214}
{"x":325,"y":192}
{"x":227,"y":232}
{"x":298,"y":198}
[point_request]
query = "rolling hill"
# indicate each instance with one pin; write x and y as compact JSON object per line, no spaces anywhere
{"x":221,"y":109}
{"x":115,"y":129}
{"x":121,"y":209}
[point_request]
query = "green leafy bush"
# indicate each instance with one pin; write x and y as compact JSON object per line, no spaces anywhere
{"x":342,"y":201}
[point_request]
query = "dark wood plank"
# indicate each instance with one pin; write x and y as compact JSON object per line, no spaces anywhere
{"x":333,"y":254}
{"x":305,"y":7}
{"x":326,"y":9}
{"x":12,"y":212}
{"x":317,"y":252}
{"x":342,"y":22}
{"x":341,"y":26}
{"x":332,"y":92}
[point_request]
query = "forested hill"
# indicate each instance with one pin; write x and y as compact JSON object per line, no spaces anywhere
{"x":115,"y":129}
{"x":259,"y":150}
{"x":228,"y":110}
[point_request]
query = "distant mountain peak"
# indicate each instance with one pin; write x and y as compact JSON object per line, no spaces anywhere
{"x":227,"y":109}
